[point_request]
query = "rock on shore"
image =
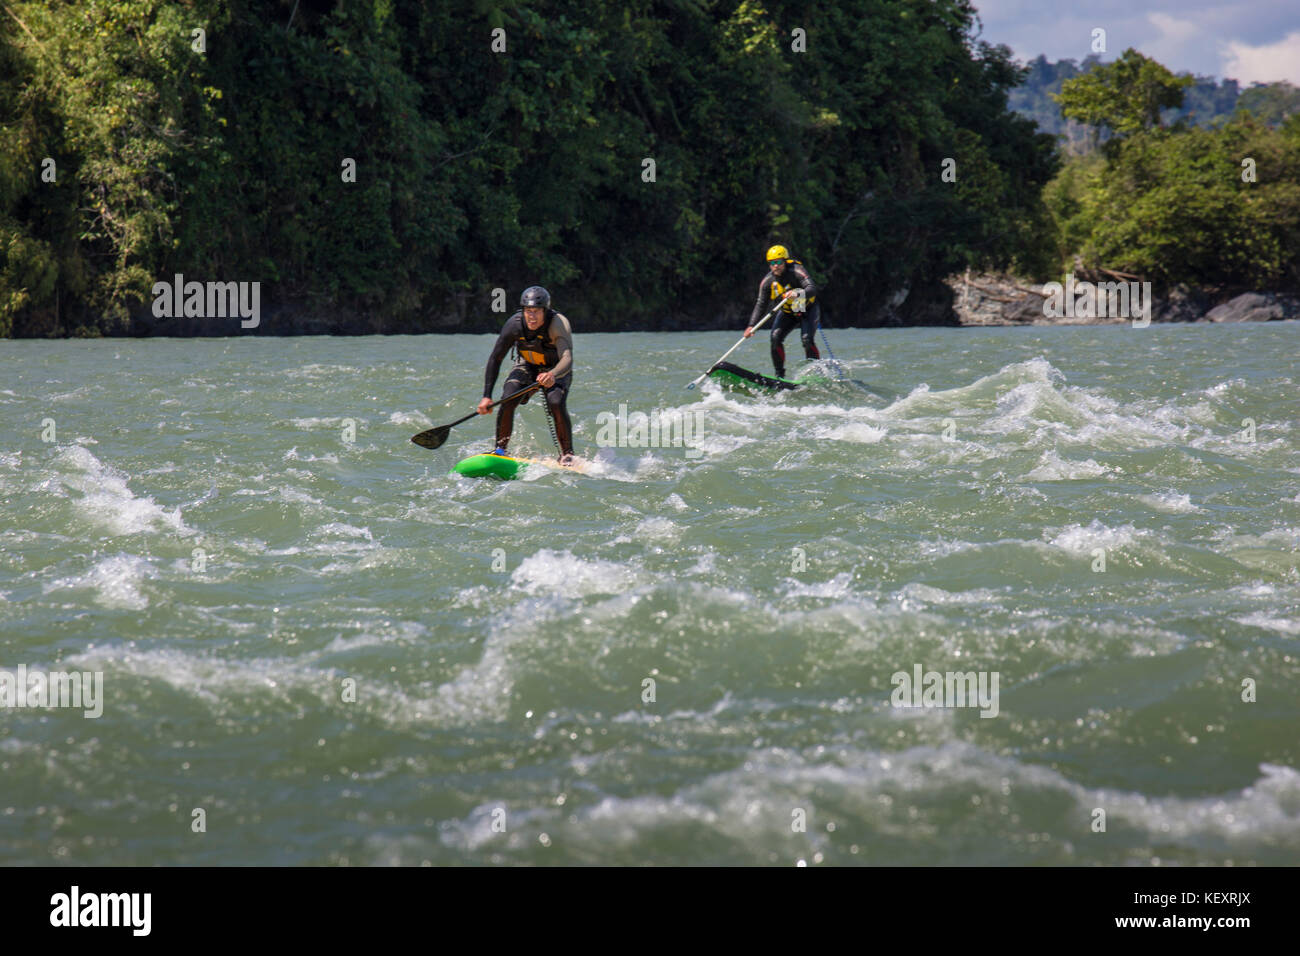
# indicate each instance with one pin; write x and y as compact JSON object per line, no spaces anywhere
{"x":996,"y":299}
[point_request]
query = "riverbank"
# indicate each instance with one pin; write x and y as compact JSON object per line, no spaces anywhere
{"x":967,"y":299}
{"x":982,"y":299}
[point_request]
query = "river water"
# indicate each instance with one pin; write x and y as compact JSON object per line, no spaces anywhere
{"x":319,"y":647}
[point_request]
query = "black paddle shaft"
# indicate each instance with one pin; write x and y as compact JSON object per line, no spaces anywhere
{"x":434,"y":437}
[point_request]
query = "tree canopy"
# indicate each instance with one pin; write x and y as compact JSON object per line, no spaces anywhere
{"x":219,"y":155}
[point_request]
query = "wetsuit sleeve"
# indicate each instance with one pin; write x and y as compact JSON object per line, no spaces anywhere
{"x":762,"y":298}
{"x":509,"y":333}
{"x":562,"y":337}
{"x":805,"y":280}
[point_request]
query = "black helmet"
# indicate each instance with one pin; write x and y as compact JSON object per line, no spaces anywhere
{"x":535,"y":295}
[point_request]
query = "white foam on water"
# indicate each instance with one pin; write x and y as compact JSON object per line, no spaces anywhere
{"x":921,"y":399}
{"x":407,"y":633}
{"x":479,"y":830}
{"x":317,"y":370}
{"x":207,"y":678}
{"x":411,"y":420}
{"x":106,"y":499}
{"x":334,"y":423}
{"x":563,"y":574}
{"x":943,"y":549}
{"x":1265,"y":814}
{"x":1140,"y":427}
{"x":344,"y":530}
{"x":1079,"y":416}
{"x":293,"y":455}
{"x":648,"y":465}
{"x":222,"y":684}
{"x":1261,"y":619}
{"x":295,"y":495}
{"x":927,"y":594}
{"x":1082,"y":540}
{"x":858,"y":432}
{"x":345,"y":548}
{"x":1052,"y":467}
{"x":1254,"y":590}
{"x":840,"y":586}
{"x":1287,"y":539}
{"x":1222,"y":387}
{"x":116,"y":582}
{"x":1170,"y":502}
{"x":1035,"y":404}
{"x":1202,"y":413}
{"x":655,"y":530}
{"x":717,"y":444}
{"x":481,"y":691}
{"x":939,"y":801}
{"x":11,"y":462}
{"x":705,"y":564}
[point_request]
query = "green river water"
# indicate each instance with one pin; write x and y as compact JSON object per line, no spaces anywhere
{"x":339,"y":653}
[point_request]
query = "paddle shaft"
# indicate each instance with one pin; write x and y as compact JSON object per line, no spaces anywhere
{"x":519,"y":394}
{"x":434,"y":437}
{"x":738,"y":344}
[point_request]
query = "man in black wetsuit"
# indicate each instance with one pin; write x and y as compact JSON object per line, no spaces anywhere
{"x":543,"y":344}
{"x":784,"y":279}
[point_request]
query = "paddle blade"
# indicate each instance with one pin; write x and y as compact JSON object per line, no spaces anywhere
{"x":433,"y":438}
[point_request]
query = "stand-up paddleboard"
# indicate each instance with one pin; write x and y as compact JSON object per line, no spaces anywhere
{"x":733,"y":376}
{"x":506,"y":467}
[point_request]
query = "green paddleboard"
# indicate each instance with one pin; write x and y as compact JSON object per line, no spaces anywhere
{"x":505,"y":467}
{"x":733,"y":376}
{"x":489,"y":466}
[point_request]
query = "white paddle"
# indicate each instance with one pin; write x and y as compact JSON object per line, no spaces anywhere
{"x":737,"y":345}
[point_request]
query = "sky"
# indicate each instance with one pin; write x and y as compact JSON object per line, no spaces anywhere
{"x":1247,"y":40}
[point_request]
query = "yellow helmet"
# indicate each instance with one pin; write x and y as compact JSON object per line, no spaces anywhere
{"x":778,"y":252}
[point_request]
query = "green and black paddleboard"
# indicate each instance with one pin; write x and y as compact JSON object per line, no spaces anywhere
{"x":505,"y":467}
{"x":733,"y":376}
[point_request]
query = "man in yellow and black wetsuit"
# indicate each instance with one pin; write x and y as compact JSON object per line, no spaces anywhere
{"x":784,"y":280}
{"x":543,"y":344}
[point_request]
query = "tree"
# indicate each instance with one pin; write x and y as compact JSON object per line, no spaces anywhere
{"x":1271,"y":102}
{"x":1125,"y":96}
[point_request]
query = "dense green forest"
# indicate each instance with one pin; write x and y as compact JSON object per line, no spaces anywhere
{"x":383,"y":166}
{"x":1206,"y":102}
{"x":1177,"y":203}
{"x":823,"y":126}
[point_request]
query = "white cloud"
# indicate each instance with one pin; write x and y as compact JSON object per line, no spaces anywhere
{"x":1197,"y":36}
{"x":1176,"y":35}
{"x":1266,"y":63}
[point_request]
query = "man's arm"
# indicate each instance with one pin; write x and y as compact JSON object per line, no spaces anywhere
{"x":509,"y":333}
{"x":805,"y":280}
{"x":562,"y":336}
{"x":762,"y":297}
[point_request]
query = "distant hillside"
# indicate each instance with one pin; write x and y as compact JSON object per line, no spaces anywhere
{"x":1206,"y":104}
